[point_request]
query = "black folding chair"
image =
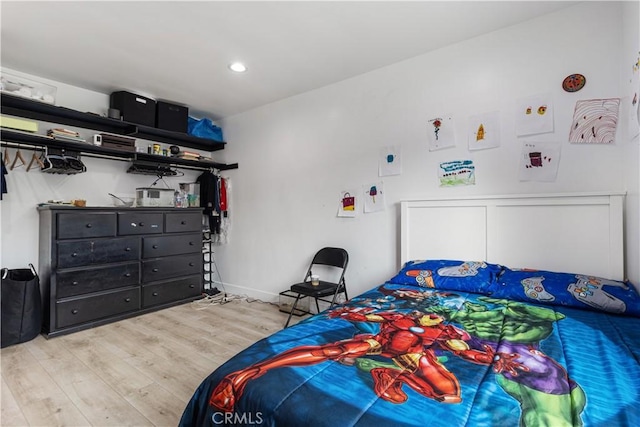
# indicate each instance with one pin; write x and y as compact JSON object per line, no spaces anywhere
{"x":332,"y":257}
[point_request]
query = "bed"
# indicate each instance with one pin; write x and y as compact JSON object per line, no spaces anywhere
{"x":457,"y":341}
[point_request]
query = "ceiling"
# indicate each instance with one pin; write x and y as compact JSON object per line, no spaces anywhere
{"x":179,"y":51}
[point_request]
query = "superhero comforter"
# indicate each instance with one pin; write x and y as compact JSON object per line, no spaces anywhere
{"x":444,"y":343}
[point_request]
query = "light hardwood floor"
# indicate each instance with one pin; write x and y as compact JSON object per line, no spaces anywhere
{"x":139,"y":372}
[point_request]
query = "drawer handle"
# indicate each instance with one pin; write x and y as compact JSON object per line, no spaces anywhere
{"x":191,"y":243}
{"x":127,"y":249}
{"x":127,"y":275}
{"x":75,"y":254}
{"x":183,"y":222}
{"x":89,"y":225}
{"x":141,"y":224}
{"x":127,"y":300}
{"x":155,"y":270}
{"x":74,"y":283}
{"x":191,"y":264}
{"x":192,"y":286}
{"x":74,"y":311}
{"x":155,"y":246}
{"x":155,"y":294}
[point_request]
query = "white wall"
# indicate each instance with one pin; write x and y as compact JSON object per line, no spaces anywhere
{"x":630,"y":83}
{"x":296,"y":155}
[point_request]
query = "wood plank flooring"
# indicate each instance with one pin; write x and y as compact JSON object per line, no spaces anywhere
{"x":136,"y":372}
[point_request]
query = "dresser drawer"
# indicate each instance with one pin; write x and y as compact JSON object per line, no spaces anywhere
{"x":183,"y":222}
{"x":139,"y":223}
{"x":153,"y":247}
{"x":174,"y":290}
{"x":81,"y":310}
{"x":78,"y":282}
{"x":176,"y":266}
{"x":99,"y":251}
{"x":81,"y":225}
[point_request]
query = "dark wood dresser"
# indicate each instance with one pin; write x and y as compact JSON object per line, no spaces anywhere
{"x":99,"y":265}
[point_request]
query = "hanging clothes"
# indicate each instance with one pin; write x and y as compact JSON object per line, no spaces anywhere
{"x":225,"y":220}
{"x":210,"y":199}
{"x":3,"y":181}
{"x":223,"y":195}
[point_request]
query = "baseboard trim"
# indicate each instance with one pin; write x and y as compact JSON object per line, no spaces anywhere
{"x":250,"y":292}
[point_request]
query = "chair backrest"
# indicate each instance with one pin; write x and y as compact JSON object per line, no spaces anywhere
{"x":334,"y":257}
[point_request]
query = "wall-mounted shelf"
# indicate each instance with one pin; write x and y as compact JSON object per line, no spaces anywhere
{"x":17,"y":139}
{"x":21,"y":107}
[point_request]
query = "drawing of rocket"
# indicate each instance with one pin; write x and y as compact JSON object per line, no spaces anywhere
{"x":480,"y":133}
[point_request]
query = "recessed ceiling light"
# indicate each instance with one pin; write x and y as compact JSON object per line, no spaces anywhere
{"x":238,"y":67}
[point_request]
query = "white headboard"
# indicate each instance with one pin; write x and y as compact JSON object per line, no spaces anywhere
{"x":575,"y":233}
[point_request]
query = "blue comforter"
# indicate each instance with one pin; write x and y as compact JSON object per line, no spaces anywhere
{"x":444,"y":343}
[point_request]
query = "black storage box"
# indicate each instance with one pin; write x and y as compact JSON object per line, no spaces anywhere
{"x":118,"y":142}
{"x":172,"y":117}
{"x":134,"y":108}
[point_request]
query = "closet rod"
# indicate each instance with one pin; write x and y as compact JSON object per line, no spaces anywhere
{"x":42,"y":149}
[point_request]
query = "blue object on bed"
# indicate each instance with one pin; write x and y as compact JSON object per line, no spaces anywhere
{"x":469,"y":276}
{"x":412,"y":354}
{"x":571,"y":290}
